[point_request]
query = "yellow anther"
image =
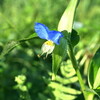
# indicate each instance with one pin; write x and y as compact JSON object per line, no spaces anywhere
{"x":47,"y":47}
{"x":49,"y":43}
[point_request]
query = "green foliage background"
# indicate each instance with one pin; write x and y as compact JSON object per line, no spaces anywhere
{"x":17,"y":18}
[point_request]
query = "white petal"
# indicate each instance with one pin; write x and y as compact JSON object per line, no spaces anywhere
{"x":47,"y":47}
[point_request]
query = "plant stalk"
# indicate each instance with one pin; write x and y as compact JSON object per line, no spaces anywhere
{"x":75,"y":65}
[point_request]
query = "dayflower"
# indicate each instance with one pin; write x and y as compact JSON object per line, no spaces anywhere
{"x":50,"y":35}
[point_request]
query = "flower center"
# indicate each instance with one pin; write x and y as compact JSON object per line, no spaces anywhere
{"x":47,"y":47}
{"x":50,"y":43}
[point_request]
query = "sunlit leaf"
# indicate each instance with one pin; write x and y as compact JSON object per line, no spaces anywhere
{"x":66,"y":21}
{"x":61,"y":92}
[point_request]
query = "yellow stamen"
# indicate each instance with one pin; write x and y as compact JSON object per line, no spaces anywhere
{"x":47,"y":47}
{"x":49,"y":43}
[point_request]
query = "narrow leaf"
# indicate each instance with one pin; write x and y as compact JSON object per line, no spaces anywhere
{"x":58,"y":55}
{"x":8,"y":47}
{"x":97,"y":92}
{"x":94,"y":91}
{"x":66,"y":21}
{"x":12,"y":44}
{"x":94,"y":71}
{"x":29,"y":37}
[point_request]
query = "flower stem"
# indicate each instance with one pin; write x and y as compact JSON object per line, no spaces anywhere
{"x":75,"y":65}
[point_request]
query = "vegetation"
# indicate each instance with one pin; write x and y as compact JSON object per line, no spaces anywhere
{"x":26,"y":76}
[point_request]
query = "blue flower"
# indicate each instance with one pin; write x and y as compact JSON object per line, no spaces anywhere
{"x":44,"y":33}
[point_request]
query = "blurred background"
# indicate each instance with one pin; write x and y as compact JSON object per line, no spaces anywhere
{"x":17,"y":18}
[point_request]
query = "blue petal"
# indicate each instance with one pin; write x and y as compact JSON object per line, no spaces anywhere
{"x":41,"y":30}
{"x":55,"y":36}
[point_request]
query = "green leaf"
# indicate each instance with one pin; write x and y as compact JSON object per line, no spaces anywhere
{"x":61,"y":92}
{"x":68,"y":74}
{"x":74,"y":38}
{"x":66,"y":21}
{"x":58,"y":55}
{"x":94,"y":91}
{"x":97,"y":92}
{"x":28,"y":38}
{"x":12,"y":44}
{"x":8,"y":47}
{"x":94,"y":71}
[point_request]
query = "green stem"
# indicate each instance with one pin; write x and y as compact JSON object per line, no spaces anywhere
{"x":75,"y":65}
